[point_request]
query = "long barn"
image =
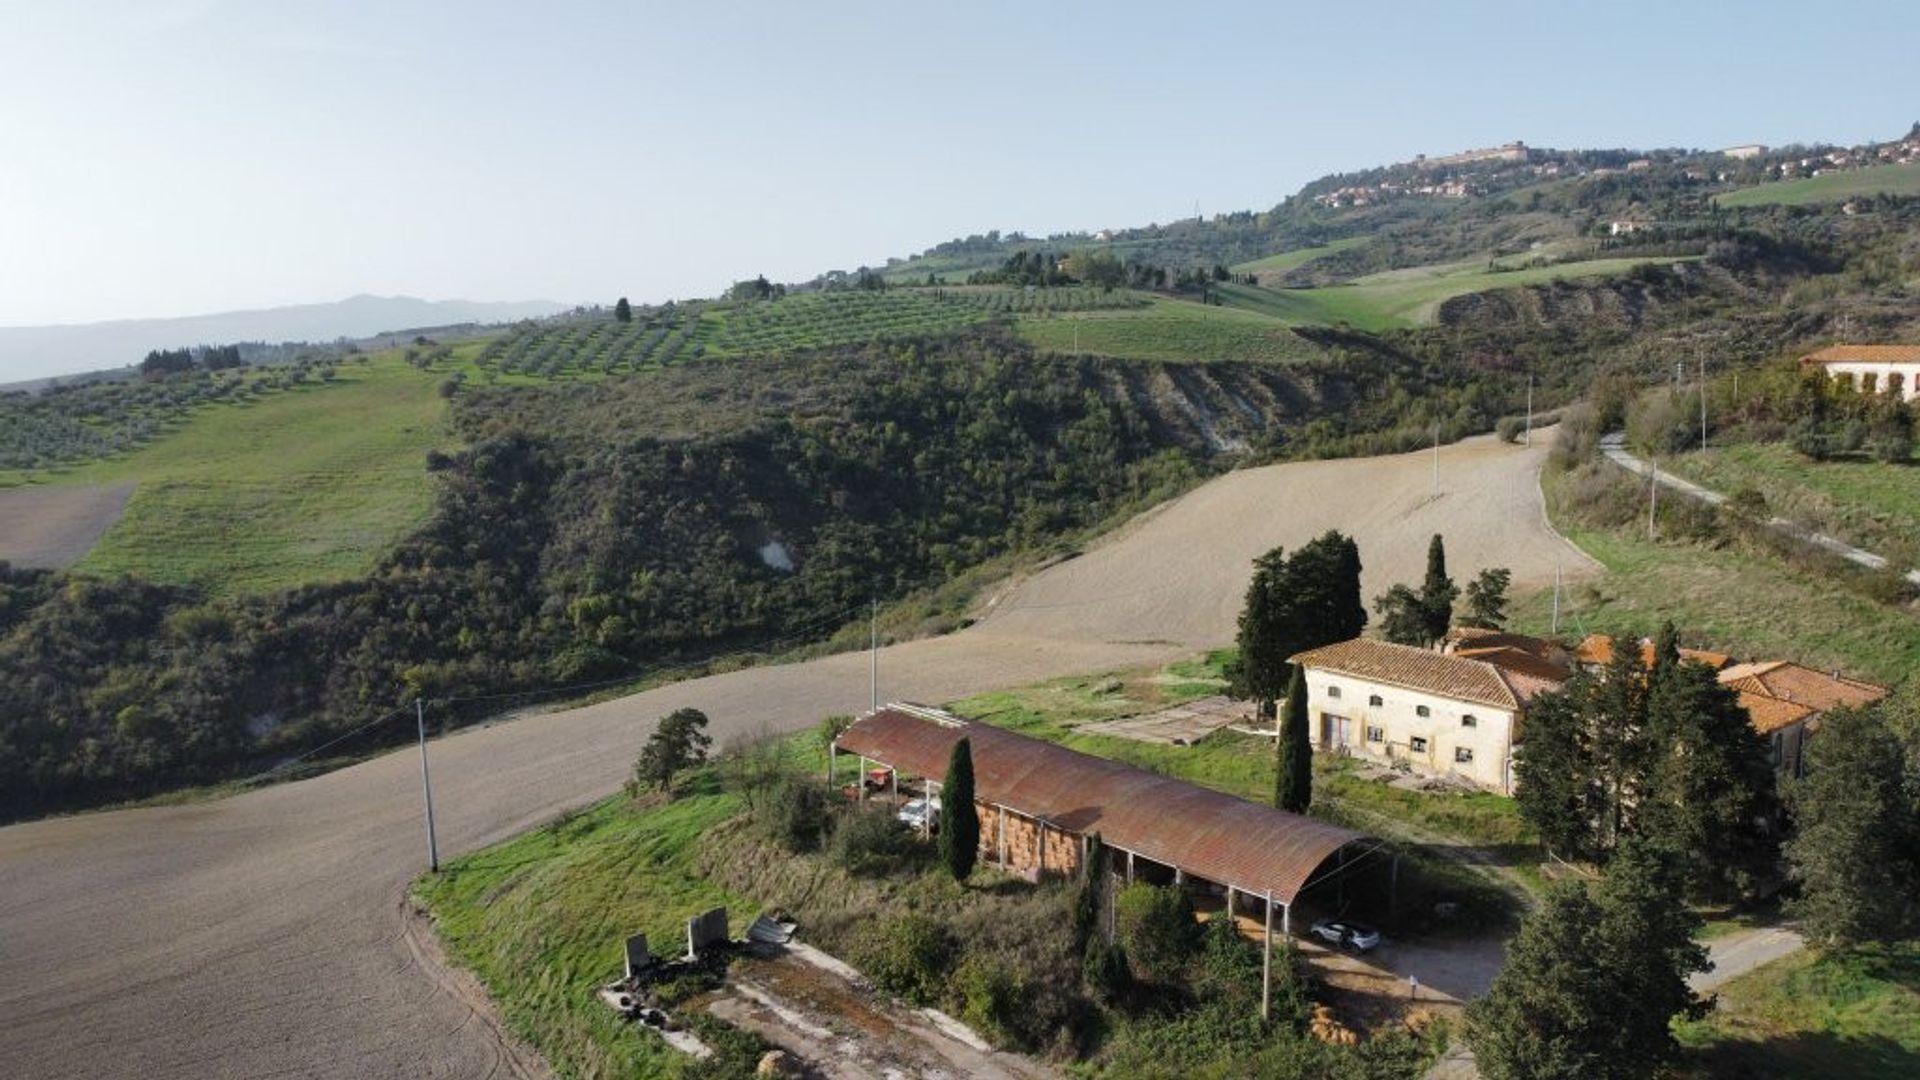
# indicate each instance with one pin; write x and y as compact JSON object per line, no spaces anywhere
{"x":1039,"y":802}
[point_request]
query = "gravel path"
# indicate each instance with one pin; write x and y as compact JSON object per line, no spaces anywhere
{"x":1614,"y":446}
{"x":266,"y":934}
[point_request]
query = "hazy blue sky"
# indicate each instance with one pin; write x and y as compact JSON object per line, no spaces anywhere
{"x":172,"y":156}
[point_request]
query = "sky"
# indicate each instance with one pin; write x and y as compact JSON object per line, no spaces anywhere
{"x":174,"y":157}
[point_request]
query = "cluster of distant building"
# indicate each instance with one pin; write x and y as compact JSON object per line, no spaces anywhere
{"x":1459,"y":710}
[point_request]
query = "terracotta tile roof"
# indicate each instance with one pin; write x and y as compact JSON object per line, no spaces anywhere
{"x":1204,"y":832}
{"x":1770,"y":714}
{"x":1460,"y":677}
{"x":1598,"y":649}
{"x":1841,"y":354}
{"x":1468,"y":640}
{"x":1791,"y":682}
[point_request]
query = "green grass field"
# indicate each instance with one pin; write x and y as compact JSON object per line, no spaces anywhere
{"x":1753,"y":606}
{"x":1815,"y":1015}
{"x":1829,"y":187}
{"x":1394,"y":299}
{"x":309,"y":485}
{"x":1275,"y":265}
{"x":541,"y":918}
{"x":1868,"y":503}
{"x":1169,"y":330}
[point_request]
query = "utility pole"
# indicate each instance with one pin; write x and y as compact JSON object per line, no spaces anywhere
{"x":1653,"y":495}
{"x":1529,"y":408}
{"x":873,"y":651}
{"x":1703,"y":401}
{"x":1436,"y":460}
{"x":426,"y":784}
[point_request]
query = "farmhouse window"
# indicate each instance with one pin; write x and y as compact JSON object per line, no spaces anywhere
{"x":1422,"y":710}
{"x":1333,"y":691}
{"x":1376,"y":733}
{"x":1417,"y":744}
{"x":1463,"y":755}
{"x":1469,"y":720}
{"x":1376,"y":701}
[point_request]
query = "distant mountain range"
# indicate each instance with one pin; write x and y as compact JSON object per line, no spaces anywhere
{"x":35,"y":352}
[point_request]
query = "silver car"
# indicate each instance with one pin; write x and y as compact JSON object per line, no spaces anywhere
{"x":921,"y":814}
{"x":1341,"y":934}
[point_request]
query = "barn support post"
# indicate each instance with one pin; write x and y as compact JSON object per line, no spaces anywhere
{"x":833,"y":754}
{"x":1229,"y":903}
{"x":1003,"y":837}
{"x":1266,"y":965}
{"x":1286,"y":923}
{"x":1042,"y":871}
{"x":1129,"y":867}
{"x":893,"y":777}
{"x":863,"y":778}
{"x":1179,"y":877}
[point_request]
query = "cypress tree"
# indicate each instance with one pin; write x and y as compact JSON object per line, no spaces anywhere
{"x":959,"y":822}
{"x":1293,"y":777}
{"x":623,"y":311}
{"x":1437,"y":592}
{"x":1086,"y":903}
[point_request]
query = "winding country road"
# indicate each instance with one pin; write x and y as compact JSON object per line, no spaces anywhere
{"x":266,"y":934}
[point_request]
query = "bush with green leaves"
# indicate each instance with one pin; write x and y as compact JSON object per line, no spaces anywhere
{"x":868,"y":839}
{"x":797,"y":814}
{"x":908,"y":956}
{"x":1158,"y":928}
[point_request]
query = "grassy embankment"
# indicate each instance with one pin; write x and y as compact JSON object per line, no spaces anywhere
{"x":1828,"y":187}
{"x":309,"y":485}
{"x":1274,"y":266}
{"x":1752,"y":604}
{"x":1868,"y":503}
{"x":541,"y":917}
{"x":1169,"y":330}
{"x":1816,"y":1014}
{"x":1395,"y":299}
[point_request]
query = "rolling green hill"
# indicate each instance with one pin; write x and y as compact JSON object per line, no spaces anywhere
{"x":309,"y":485}
{"x":1829,"y":187}
{"x":1276,"y":265}
{"x":1168,"y":329}
{"x":1401,"y":298}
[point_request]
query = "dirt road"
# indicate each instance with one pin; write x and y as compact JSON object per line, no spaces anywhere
{"x":263,"y":935}
{"x":50,"y":527}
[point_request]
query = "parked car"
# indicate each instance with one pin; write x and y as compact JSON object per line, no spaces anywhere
{"x":1358,"y":937}
{"x":923,"y":813}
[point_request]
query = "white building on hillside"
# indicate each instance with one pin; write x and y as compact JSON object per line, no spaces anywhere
{"x":1439,"y":713}
{"x":1871,"y":369}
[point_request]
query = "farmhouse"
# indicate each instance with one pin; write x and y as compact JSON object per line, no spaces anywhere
{"x":1596,"y":651}
{"x":1038,"y":803}
{"x":1871,"y":369}
{"x":1786,"y":701}
{"x":1445,"y":713}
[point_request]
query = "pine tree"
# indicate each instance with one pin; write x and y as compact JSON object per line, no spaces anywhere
{"x":1487,"y":599}
{"x":1588,"y":760}
{"x":1854,"y":848}
{"x":1293,"y":779}
{"x":622,"y":311}
{"x":1268,"y":625}
{"x":959,"y":821}
{"x":1402,"y":619}
{"x":1593,"y":979}
{"x":1711,"y":793}
{"x":1437,"y":591}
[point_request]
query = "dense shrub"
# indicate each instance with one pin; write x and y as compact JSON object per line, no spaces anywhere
{"x":869,"y":839}
{"x":1158,"y":929}
{"x":797,"y":814}
{"x":909,"y":956}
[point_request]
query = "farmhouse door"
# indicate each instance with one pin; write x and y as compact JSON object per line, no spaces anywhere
{"x":1336,"y":732}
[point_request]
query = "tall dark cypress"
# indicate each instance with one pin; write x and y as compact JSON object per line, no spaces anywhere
{"x":959,"y":821}
{"x":1293,"y":777}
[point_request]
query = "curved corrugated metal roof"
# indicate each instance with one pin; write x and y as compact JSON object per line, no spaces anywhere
{"x":1203,"y":832}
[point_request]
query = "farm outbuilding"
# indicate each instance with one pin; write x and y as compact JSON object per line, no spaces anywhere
{"x":1039,"y":803}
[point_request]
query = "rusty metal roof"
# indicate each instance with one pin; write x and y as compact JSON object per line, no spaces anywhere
{"x":1206,"y":833}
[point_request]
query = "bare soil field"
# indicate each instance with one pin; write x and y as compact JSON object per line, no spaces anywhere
{"x":266,"y":934}
{"x":45,"y":528}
